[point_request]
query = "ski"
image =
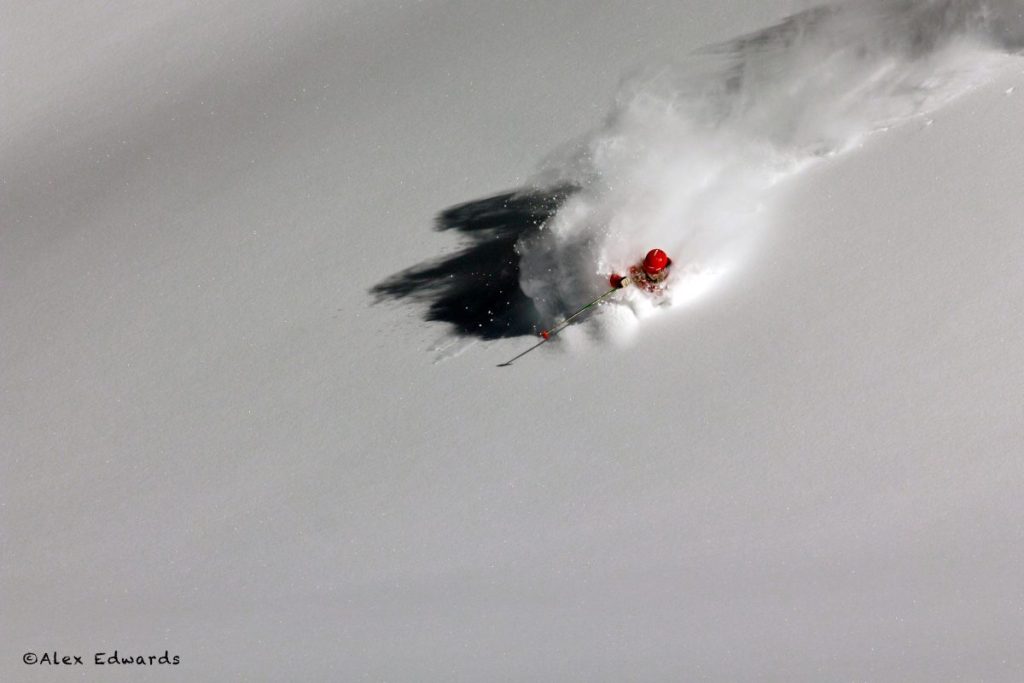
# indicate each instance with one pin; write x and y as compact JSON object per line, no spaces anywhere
{"x":546,"y":335}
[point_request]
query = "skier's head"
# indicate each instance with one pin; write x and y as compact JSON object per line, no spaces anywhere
{"x":656,"y":261}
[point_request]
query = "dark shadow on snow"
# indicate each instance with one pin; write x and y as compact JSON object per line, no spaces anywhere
{"x":477,"y":289}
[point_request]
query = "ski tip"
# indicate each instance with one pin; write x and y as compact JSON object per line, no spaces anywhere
{"x":504,"y":365}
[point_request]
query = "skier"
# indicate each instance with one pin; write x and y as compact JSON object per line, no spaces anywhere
{"x":649,"y":275}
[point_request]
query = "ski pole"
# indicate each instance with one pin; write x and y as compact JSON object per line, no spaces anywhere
{"x":548,"y":334}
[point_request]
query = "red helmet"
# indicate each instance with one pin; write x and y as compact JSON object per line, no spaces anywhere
{"x":656,"y":261}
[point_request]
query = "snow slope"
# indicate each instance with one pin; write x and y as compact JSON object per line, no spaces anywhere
{"x":215,"y":442}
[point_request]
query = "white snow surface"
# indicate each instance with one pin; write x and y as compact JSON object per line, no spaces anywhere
{"x":805,"y":467}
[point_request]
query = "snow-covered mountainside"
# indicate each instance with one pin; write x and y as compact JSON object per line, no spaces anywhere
{"x":226,"y":432}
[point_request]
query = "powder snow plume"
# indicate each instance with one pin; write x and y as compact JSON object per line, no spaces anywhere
{"x":692,"y":152}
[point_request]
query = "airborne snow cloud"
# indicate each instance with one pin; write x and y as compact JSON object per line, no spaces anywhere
{"x":693,"y":150}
